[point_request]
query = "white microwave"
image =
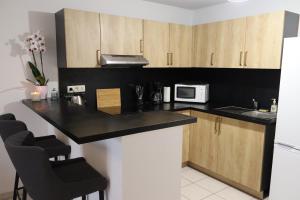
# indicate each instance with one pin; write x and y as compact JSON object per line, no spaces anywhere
{"x":196,"y":93}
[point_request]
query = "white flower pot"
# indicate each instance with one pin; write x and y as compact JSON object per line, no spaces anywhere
{"x":43,"y":90}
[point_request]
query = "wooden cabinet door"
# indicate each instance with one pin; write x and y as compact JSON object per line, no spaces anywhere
{"x":264,"y":39}
{"x":181,"y":45}
{"x":230,"y":42}
{"x":156,"y":43}
{"x":82,"y":38}
{"x":203,"y":141}
{"x":185,"y":139}
{"x":121,"y":35}
{"x":240,"y":152}
{"x":204,"y":45}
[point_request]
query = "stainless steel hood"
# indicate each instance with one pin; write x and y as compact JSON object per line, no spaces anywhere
{"x":108,"y":60}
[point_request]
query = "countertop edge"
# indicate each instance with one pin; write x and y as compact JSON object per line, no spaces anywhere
{"x":133,"y":131}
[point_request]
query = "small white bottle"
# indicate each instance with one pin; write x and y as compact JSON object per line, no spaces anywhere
{"x":274,"y":106}
{"x":167,"y":94}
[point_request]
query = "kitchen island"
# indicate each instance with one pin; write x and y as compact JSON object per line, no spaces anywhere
{"x":139,"y":152}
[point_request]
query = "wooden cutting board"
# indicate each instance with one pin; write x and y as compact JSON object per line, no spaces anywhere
{"x":109,"y":100}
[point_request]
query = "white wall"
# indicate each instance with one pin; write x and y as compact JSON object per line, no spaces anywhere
{"x":20,"y":17}
{"x":234,"y":10}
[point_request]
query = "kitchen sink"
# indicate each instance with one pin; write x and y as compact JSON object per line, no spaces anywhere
{"x":247,"y":112}
{"x":234,"y":109}
{"x":261,"y":115}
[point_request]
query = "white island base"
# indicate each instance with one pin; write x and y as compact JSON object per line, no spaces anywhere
{"x":143,"y":166}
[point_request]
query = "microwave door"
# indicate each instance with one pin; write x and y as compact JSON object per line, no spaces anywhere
{"x":186,"y":93}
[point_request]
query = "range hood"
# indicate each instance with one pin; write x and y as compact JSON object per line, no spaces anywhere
{"x":108,"y":60}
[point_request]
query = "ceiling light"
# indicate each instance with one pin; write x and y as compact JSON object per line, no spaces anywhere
{"x":237,"y":1}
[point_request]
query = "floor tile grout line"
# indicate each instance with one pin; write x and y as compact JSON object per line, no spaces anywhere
{"x":210,"y":191}
{"x":212,"y":195}
{"x":196,"y":180}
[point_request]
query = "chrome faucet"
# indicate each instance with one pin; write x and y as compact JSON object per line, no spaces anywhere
{"x":255,"y":104}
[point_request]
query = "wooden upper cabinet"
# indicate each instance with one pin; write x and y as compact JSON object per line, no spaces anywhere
{"x":156,"y":43}
{"x":121,"y":35}
{"x":81,"y":33}
{"x":205,"y":45}
{"x":264,"y":39}
{"x":230,"y":43}
{"x":250,"y":42}
{"x":181,"y":37}
{"x":240,"y":152}
{"x":203,"y":141}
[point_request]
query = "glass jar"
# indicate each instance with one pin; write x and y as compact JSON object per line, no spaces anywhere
{"x":54,"y":94}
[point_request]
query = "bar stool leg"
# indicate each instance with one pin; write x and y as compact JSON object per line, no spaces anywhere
{"x":101,"y":195}
{"x":16,"y":187}
{"x":24,"y":194}
{"x":84,"y":197}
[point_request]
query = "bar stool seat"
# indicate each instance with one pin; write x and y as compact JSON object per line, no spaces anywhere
{"x":79,"y":171}
{"x":53,"y":146}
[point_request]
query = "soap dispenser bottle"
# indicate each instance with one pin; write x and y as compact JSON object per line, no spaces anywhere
{"x":274,"y":106}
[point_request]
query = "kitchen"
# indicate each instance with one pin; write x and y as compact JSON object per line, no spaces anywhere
{"x":160,"y":47}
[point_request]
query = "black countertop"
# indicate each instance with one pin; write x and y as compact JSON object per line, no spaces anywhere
{"x":84,"y":125}
{"x":207,"y":108}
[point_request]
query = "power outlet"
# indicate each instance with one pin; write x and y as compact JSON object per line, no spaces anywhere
{"x":75,"y":88}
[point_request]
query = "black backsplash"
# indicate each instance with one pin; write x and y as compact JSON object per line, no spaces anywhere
{"x":227,"y":86}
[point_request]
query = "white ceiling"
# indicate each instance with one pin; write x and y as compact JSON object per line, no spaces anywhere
{"x":189,"y":4}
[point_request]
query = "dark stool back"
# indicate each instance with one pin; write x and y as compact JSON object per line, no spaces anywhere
{"x":8,"y":116}
{"x":44,"y":181}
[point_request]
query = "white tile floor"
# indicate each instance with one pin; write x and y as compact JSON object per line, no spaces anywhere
{"x":198,"y":186}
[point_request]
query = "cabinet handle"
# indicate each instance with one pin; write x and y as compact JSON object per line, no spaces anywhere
{"x":219,"y":128}
{"x":98,"y":57}
{"x":171,"y":58}
{"x":241,"y":58}
{"x":141,"y":46}
{"x":216,"y":122}
{"x":168,"y":59}
{"x":212,"y":59}
{"x":245,"y":59}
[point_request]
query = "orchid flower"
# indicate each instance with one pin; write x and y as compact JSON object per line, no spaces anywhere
{"x":35,"y":43}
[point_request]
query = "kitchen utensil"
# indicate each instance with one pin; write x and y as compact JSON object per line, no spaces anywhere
{"x":140,"y":93}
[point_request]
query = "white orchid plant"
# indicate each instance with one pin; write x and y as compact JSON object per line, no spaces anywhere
{"x":35,"y":45}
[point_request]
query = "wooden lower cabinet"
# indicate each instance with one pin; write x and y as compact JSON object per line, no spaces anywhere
{"x":240,"y":152}
{"x":203,"y":141}
{"x":185,"y":139}
{"x":228,"y":149}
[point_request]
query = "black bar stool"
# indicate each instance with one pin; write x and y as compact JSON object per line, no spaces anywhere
{"x":46,"y":180}
{"x":53,"y":147}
